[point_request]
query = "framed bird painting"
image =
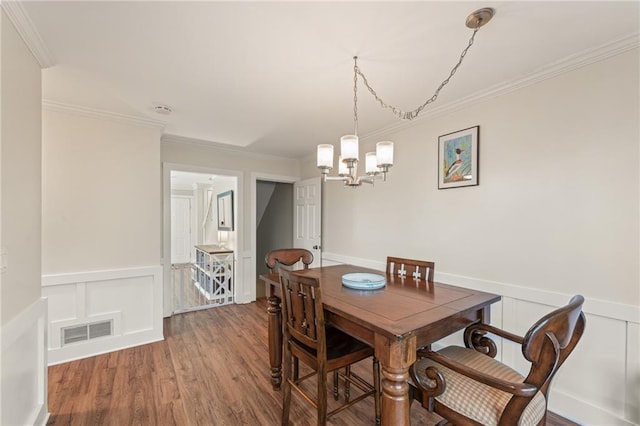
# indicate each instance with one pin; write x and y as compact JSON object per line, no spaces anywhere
{"x":458,"y":158}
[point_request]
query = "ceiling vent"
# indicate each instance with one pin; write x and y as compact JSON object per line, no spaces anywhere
{"x":82,"y":332}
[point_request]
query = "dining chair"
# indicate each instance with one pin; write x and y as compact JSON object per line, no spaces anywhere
{"x":288,"y":257}
{"x":322,"y":347}
{"x":467,"y":386}
{"x":410,"y":268}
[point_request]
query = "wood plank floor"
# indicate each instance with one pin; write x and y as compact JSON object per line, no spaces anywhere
{"x":211,"y":369}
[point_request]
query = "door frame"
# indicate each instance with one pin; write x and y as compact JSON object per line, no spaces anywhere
{"x":240,"y":283}
{"x":255,"y":177}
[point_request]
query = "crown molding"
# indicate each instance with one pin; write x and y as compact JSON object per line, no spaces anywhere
{"x":102,"y":115}
{"x":20,"y":19}
{"x":570,"y":63}
{"x":202,"y":143}
{"x":554,"y":69}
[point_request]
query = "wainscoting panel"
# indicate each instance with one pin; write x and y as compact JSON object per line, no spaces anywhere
{"x":24,"y":367}
{"x":600,"y":383}
{"x":62,"y":302}
{"x":126,"y":302}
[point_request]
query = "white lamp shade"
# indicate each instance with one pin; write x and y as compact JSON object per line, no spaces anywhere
{"x":371,"y":165}
{"x":349,"y":147}
{"x":384,"y":153}
{"x":223,"y":237}
{"x":342,"y":167}
{"x":325,"y":156}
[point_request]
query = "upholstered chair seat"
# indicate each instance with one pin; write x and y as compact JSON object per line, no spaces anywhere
{"x":474,"y":399}
{"x":469,"y":387}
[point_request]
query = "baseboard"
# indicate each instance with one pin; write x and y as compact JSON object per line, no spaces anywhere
{"x":42,"y":417}
{"x":102,"y":346}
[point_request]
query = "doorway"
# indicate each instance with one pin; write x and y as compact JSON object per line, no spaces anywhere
{"x":200,"y":254}
{"x":306,"y":205}
{"x":274,"y":222}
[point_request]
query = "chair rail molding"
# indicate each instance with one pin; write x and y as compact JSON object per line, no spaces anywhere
{"x":605,"y":396}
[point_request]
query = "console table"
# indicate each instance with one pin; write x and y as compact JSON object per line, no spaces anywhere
{"x":213,"y":273}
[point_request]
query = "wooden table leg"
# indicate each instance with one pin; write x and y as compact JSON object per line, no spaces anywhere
{"x":275,"y":340}
{"x":396,"y":357}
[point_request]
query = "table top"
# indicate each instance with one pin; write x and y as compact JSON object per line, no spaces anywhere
{"x":403,"y":307}
{"x":213,"y":249}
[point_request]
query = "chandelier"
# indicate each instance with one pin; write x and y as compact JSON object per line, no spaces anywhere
{"x":377,"y":163}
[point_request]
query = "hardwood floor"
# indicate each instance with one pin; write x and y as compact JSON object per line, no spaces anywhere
{"x":211,"y":369}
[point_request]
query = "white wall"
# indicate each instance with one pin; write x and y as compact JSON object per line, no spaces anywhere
{"x":101,"y":228}
{"x":194,"y":154}
{"x":557,"y":205}
{"x":21,"y":192}
{"x":556,"y":213}
{"x":23,"y":393}
{"x":244,"y":165}
{"x":101,"y":194}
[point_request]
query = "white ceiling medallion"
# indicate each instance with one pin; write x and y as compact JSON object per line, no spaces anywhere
{"x":162,"y":108}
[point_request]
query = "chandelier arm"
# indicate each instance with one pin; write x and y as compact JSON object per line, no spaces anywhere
{"x":410,"y":115}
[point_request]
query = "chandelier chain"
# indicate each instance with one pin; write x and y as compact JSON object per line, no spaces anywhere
{"x":355,"y":95}
{"x":410,"y":115}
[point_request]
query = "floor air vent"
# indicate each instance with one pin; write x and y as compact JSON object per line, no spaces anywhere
{"x":79,"y":333}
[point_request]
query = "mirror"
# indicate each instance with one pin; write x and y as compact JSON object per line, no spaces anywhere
{"x":225,"y":211}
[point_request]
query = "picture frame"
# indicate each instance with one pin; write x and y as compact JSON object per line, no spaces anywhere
{"x":225,"y":211}
{"x":458,"y":158}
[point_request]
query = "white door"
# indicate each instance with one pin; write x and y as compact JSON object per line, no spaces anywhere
{"x":307,"y":217}
{"x":180,"y":230}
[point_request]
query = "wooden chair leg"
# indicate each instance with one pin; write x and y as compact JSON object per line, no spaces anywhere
{"x":296,"y":366}
{"x":286,"y":387}
{"x":376,"y":385}
{"x":347,"y":383}
{"x":336,"y":384}
{"x":322,"y":397}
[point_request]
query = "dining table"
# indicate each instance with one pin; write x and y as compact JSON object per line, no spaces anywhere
{"x":396,"y":319}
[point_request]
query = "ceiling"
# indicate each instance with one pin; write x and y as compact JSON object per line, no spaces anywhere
{"x":277,"y":77}
{"x":187,"y":180}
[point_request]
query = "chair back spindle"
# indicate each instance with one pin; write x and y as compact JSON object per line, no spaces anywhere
{"x":304,"y":319}
{"x":410,"y":268}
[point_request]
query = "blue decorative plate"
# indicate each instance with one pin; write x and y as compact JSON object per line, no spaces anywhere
{"x":363,"y":281}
